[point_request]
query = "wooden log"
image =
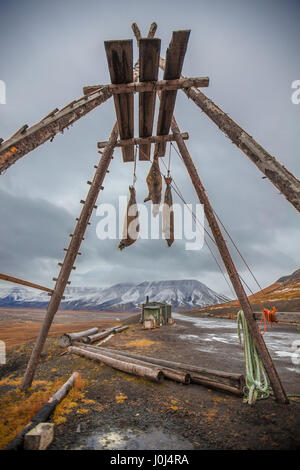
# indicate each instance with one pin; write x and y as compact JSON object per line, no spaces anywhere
{"x":231,"y":269}
{"x":45,"y":411}
{"x":67,"y":338}
{"x":15,"y":280}
{"x":144,"y":141}
{"x":20,"y":144}
{"x":198,"y":379}
{"x":120,"y":63}
{"x":233,"y":380}
{"x":95,"y":337}
{"x":70,"y":256}
{"x":39,"y":437}
{"x":169,"y":373}
{"x":153,"y":374}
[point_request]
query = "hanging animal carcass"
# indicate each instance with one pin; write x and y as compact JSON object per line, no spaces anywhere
{"x":131,"y":223}
{"x":154,"y":182}
{"x":168,"y":214}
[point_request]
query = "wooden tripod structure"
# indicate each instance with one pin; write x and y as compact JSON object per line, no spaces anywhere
{"x":142,"y":77}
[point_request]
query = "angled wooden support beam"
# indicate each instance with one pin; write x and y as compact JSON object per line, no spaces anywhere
{"x":145,"y":140}
{"x":16,"y":280}
{"x":280,"y":176}
{"x":137,"y":32}
{"x":230,"y":267}
{"x":70,"y":256}
{"x":29,"y":138}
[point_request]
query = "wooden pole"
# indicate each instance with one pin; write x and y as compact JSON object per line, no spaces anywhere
{"x":282,"y":178}
{"x":71,"y":254}
{"x":24,"y":142}
{"x":43,"y":414}
{"x":145,"y":140}
{"x":231,"y":269}
{"x":16,"y":280}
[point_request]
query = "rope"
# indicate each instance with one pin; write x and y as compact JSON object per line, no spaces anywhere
{"x":257,"y":384}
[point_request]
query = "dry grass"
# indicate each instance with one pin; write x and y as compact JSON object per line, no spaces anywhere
{"x":289,"y":290}
{"x":17,"y":408}
{"x":15,"y":334}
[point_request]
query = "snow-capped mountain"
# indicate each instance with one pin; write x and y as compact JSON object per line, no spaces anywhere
{"x":187,"y":293}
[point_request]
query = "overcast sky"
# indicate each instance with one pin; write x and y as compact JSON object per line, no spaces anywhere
{"x":50,"y":50}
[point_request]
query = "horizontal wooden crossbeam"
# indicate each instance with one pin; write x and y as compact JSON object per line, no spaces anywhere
{"x":145,"y":140}
{"x":15,"y":280}
{"x":153,"y":85}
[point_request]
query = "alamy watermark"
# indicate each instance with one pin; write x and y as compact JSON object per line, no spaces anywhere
{"x":296,"y":94}
{"x":188,"y":222}
{"x":2,"y":92}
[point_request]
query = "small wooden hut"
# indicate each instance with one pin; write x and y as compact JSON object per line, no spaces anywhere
{"x":155,"y":314}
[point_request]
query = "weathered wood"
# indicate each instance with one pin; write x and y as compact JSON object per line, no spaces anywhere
{"x":92,"y":338}
{"x":45,"y":411}
{"x":150,"y":85}
{"x":20,"y":144}
{"x":153,"y":374}
{"x":15,"y":280}
{"x":170,"y":373}
{"x":173,"y":67}
{"x":149,"y":52}
{"x":67,"y":338}
{"x":39,"y":437}
{"x":230,"y":267}
{"x":229,"y":379}
{"x":145,"y":140}
{"x":120,"y":63}
{"x":70,"y":256}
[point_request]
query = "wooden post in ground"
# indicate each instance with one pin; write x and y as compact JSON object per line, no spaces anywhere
{"x":282,"y":178}
{"x":230,"y":267}
{"x":71,"y":253}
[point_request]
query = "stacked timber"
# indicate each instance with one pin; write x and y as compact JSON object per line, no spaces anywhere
{"x":179,"y":372}
{"x":219,"y":380}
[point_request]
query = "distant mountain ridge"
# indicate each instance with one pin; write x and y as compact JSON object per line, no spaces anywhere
{"x":290,"y":277}
{"x":186,"y":293}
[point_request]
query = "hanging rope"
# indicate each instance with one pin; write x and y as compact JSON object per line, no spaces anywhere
{"x":257,"y":384}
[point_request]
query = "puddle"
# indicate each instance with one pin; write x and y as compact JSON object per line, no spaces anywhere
{"x":129,"y":439}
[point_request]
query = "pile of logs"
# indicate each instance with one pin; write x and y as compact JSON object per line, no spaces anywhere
{"x":88,"y":336}
{"x":157,"y":369}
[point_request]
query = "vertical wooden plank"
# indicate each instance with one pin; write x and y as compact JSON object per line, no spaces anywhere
{"x":120,"y":63}
{"x":174,"y":62}
{"x":149,"y":52}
